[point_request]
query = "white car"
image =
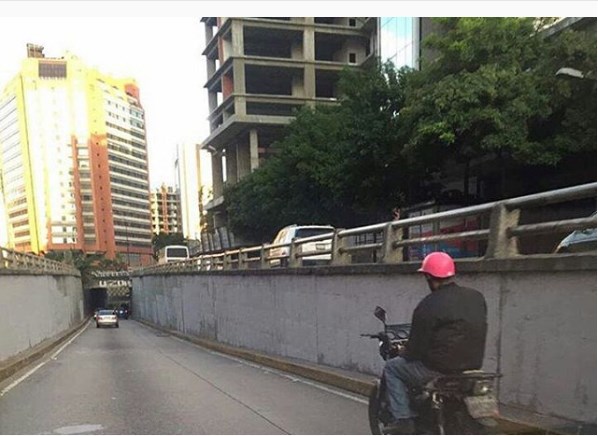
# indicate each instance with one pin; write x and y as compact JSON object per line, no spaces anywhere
{"x":279,"y":256}
{"x":106,"y":317}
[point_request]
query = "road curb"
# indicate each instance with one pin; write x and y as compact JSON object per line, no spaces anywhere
{"x":351,"y":384}
{"x":15,"y":364}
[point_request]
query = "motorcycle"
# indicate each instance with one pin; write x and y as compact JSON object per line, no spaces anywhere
{"x":462,"y":403}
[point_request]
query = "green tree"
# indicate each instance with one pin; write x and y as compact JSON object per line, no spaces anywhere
{"x":492,"y":90}
{"x":293,"y":185}
{"x":119,"y":263}
{"x":373,"y":177}
{"x":86,"y":263}
{"x":339,"y":165}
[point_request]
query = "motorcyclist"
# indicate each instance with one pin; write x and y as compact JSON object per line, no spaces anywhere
{"x":448,"y":335}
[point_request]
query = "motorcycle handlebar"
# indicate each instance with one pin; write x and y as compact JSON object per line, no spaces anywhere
{"x":370,"y":335}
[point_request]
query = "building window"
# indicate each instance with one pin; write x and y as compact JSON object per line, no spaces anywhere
{"x":352,"y":22}
{"x":352,"y":58}
{"x":52,"y":69}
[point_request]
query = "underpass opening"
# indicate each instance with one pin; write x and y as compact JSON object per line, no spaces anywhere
{"x":95,"y":298}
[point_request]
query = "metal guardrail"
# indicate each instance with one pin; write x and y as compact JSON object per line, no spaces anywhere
{"x":10,"y":259}
{"x":501,"y":235}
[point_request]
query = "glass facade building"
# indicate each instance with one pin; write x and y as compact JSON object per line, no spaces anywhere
{"x":399,"y":40}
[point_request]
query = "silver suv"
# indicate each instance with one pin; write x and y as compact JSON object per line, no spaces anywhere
{"x":287,"y":234}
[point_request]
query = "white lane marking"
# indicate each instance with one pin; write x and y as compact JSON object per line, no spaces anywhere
{"x":19,"y":380}
{"x":26,"y":375}
{"x":282,"y":374}
{"x":324,"y":388}
{"x":69,"y":342}
{"x":78,"y":429}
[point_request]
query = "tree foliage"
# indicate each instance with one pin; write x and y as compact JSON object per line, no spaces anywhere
{"x":87,"y":263}
{"x":338,"y":165}
{"x":490,"y":90}
{"x":493,"y":89}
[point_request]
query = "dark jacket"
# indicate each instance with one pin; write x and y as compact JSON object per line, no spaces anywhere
{"x":448,"y":331}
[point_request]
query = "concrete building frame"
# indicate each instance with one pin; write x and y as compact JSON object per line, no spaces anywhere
{"x":260,"y":71}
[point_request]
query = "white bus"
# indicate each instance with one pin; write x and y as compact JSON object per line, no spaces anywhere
{"x":173,"y":253}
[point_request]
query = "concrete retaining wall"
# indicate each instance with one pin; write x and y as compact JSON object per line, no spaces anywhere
{"x":542,"y":319}
{"x":35,"y":308}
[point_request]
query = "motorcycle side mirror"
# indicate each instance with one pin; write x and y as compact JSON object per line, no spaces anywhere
{"x":380,"y":314}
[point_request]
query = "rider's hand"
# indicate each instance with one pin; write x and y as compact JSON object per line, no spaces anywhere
{"x":401,"y":350}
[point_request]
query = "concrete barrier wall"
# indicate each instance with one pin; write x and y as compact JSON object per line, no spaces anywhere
{"x":35,"y":308}
{"x":542,"y":319}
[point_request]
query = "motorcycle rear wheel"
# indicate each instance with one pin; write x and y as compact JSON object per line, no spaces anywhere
{"x":458,"y":421}
{"x":376,"y":425}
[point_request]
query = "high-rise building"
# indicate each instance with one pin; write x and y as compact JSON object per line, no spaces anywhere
{"x":188,"y":183}
{"x":260,"y":70}
{"x":3,"y":224}
{"x":73,"y":160}
{"x":166,"y":210}
{"x":401,"y":40}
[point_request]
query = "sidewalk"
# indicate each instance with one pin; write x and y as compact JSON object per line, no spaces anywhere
{"x":511,"y":421}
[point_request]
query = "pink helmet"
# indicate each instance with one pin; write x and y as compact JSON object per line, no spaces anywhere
{"x":439,"y":265}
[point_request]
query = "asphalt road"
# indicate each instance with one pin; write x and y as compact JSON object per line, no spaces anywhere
{"x":135,"y":380}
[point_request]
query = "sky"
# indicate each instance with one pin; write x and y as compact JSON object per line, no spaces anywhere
{"x":160,"y":43}
{"x":162,"y":54}
{"x":396,"y":39}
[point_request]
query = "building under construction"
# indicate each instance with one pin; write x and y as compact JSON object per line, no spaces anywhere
{"x":260,"y":70}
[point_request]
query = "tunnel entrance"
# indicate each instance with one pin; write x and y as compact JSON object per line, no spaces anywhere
{"x":95,"y":298}
{"x":107,"y":298}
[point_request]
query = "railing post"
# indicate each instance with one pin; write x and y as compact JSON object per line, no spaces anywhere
{"x":339,"y":256}
{"x":242,"y":260}
{"x":294,"y":261}
{"x":500,"y":244}
{"x":226,"y":261}
{"x":389,"y":236}
{"x":264,"y":262}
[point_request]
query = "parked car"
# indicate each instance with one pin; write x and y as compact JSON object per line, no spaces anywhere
{"x":286,"y":236}
{"x":106,"y":318}
{"x":578,"y":241}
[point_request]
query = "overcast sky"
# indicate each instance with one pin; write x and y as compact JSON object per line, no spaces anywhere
{"x":160,"y":43}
